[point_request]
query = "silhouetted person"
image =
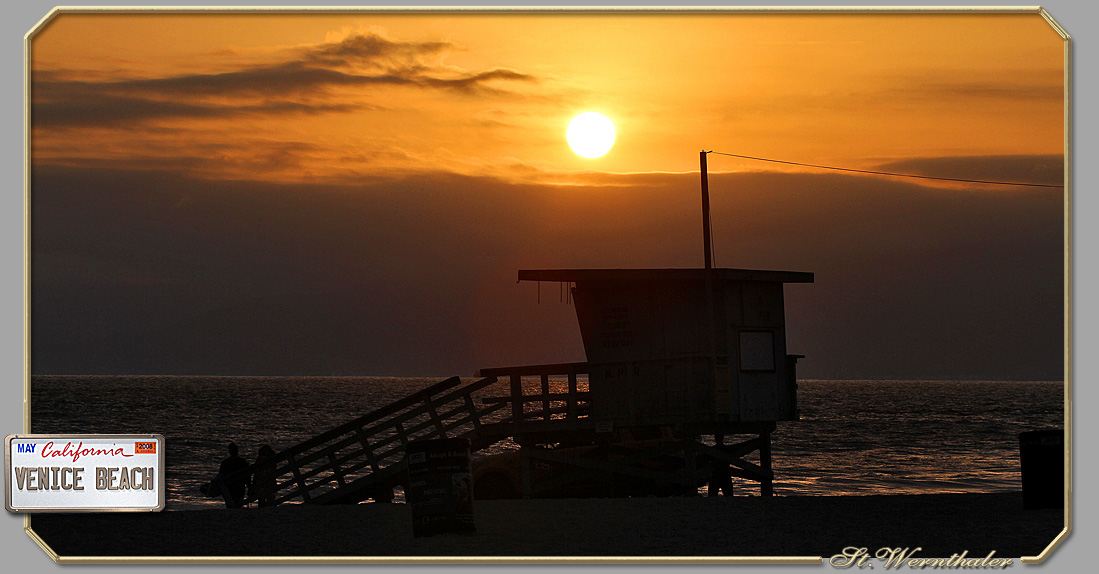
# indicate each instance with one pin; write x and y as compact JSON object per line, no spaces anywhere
{"x":233,"y":477}
{"x":263,"y":476}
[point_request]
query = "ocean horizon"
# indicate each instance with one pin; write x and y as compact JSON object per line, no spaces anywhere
{"x":854,"y":437}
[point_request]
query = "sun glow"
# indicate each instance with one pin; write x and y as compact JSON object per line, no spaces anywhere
{"x":590,"y":134}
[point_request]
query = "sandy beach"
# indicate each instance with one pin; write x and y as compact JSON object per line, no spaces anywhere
{"x":723,"y":528}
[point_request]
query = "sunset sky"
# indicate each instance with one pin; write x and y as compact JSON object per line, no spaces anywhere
{"x":352,"y":193}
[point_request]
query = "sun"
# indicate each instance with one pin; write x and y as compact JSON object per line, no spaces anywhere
{"x":590,"y":134}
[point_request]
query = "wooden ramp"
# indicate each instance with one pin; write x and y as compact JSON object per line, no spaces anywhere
{"x":550,"y":422}
{"x":364,"y":458}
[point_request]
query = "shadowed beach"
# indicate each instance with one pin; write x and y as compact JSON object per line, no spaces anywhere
{"x":722,"y":527}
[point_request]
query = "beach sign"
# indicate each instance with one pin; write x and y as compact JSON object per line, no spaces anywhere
{"x":84,"y":473}
{"x":440,"y":486}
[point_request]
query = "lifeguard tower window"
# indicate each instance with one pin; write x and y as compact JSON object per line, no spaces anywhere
{"x":757,"y":351}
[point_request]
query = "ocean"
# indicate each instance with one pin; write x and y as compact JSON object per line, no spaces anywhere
{"x":854,"y":437}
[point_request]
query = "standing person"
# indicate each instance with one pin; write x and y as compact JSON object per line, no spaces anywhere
{"x":234,"y":478}
{"x":263,"y":476}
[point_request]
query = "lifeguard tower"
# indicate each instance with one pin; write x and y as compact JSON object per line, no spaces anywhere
{"x":673,"y":355}
{"x":697,"y":349}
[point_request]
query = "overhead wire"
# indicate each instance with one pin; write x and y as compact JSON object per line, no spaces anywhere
{"x":872,"y":172}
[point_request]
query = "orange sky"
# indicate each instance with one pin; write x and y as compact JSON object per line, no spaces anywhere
{"x":352,"y":193}
{"x":339,"y":97}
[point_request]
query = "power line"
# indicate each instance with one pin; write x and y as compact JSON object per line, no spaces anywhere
{"x":889,"y":173}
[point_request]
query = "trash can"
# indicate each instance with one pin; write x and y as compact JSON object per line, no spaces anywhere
{"x":1041,"y":454}
{"x":440,"y":486}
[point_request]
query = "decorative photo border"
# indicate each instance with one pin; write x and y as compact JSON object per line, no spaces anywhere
{"x":842,"y":553}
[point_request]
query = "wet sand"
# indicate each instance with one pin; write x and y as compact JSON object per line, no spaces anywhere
{"x":720,"y":527}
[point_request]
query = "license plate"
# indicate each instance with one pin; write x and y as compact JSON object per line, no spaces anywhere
{"x":85,"y":473}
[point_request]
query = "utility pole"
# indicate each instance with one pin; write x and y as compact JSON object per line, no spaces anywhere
{"x":719,"y":368}
{"x":705,"y":210}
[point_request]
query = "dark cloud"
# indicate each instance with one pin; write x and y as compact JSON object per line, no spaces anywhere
{"x":87,"y":106}
{"x":996,"y":90}
{"x":290,"y":78}
{"x":477,"y":82}
{"x":296,"y":86}
{"x":1035,"y":169}
{"x":1029,"y":86}
{"x":371,"y":48}
{"x":155,"y":273}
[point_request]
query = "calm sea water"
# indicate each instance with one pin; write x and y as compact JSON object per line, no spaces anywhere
{"x":854,"y":437}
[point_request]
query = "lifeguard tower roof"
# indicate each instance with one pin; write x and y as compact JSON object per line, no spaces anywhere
{"x":694,"y":347}
{"x":640,"y":275}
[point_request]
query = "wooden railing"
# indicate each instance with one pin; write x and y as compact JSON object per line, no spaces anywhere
{"x":566,"y":408}
{"x":364,"y":458}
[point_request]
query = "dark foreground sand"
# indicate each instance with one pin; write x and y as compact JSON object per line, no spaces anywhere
{"x":943,"y":524}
